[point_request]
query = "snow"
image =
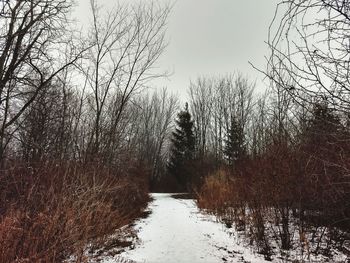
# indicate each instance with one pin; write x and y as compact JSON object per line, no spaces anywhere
{"x":176,"y":231}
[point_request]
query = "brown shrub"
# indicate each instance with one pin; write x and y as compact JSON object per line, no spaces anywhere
{"x":284,"y":192}
{"x":216,"y":191}
{"x":51,"y":211}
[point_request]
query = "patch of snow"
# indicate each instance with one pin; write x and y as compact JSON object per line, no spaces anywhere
{"x":176,"y":231}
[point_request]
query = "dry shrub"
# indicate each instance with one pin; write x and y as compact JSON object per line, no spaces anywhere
{"x":216,"y":191}
{"x":50,"y":212}
{"x":287,"y":194}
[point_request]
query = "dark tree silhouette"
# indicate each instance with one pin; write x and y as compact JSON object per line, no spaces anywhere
{"x":323,"y":125}
{"x":234,"y":149}
{"x":182,"y":149}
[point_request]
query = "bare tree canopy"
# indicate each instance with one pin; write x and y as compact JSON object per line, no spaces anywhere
{"x":310,"y":55}
{"x":127,"y":42}
{"x":35,"y":47}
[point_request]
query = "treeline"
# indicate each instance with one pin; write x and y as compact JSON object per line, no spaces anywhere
{"x":276,"y":170}
{"x":80,"y":140}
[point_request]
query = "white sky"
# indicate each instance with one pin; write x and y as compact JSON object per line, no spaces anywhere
{"x":210,"y":37}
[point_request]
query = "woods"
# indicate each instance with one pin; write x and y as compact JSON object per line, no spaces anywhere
{"x":85,"y":136}
{"x":289,"y":195}
{"x":73,"y":137}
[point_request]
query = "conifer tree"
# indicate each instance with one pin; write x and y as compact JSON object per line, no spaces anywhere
{"x":182,"y":149}
{"x":323,"y":128}
{"x":235,"y":148}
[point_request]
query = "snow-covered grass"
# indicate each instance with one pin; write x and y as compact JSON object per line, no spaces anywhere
{"x":274,"y":215}
{"x":176,"y":231}
{"x":311,"y":245}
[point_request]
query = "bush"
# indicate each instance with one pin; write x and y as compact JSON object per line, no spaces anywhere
{"x":286,"y":198}
{"x":52,"y":211}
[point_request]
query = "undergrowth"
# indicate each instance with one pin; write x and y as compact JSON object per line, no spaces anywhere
{"x":50,"y":212}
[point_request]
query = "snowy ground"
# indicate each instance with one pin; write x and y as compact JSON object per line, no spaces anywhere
{"x":176,"y":231}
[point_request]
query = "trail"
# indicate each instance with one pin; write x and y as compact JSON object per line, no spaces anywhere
{"x":176,"y":231}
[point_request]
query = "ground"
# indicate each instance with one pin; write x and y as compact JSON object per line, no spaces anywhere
{"x":176,"y":231}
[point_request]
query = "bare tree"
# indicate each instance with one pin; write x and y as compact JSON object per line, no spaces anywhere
{"x":309,"y":47}
{"x":29,"y":32}
{"x":156,"y":122}
{"x":127,"y":43}
{"x":214,"y":103}
{"x":201,"y":94}
{"x":259,"y":125}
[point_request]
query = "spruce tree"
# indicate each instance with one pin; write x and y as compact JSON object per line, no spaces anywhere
{"x":182,"y":149}
{"x":323,"y":128}
{"x":235,"y":148}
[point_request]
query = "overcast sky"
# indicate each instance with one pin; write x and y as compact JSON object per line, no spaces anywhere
{"x":210,"y":37}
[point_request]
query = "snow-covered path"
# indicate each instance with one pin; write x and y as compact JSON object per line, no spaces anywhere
{"x":176,"y":231}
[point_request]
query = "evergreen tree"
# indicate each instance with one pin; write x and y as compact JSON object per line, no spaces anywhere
{"x":183,"y":146}
{"x":323,"y":127}
{"x":235,"y":148}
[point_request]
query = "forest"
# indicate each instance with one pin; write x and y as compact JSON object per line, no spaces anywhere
{"x":85,"y":138}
